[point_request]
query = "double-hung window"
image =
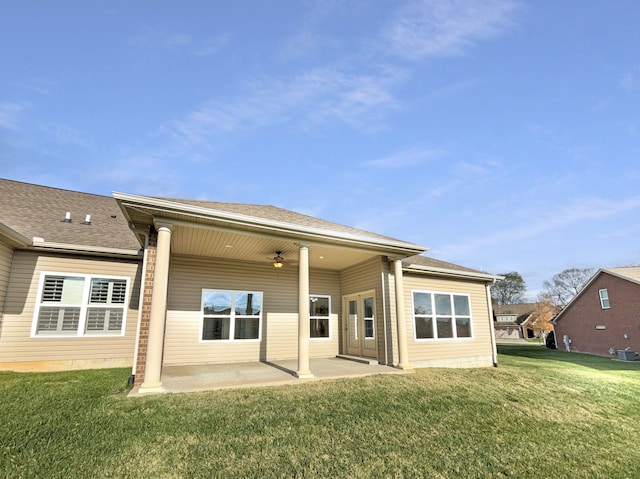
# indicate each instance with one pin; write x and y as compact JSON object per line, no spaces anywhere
{"x":80,"y":305}
{"x":604,"y":299}
{"x":369,"y":332}
{"x":441,"y":315}
{"x":231,"y":315}
{"x":319,"y":316}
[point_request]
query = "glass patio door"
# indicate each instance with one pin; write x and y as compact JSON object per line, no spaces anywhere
{"x":360,"y":325}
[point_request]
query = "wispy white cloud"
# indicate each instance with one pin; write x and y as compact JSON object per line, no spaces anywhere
{"x":628,"y":82}
{"x":410,"y":157}
{"x":575,"y":211}
{"x":66,"y":135}
{"x":304,"y":44}
{"x":40,"y":86}
{"x":632,"y":130}
{"x":178,"y":41}
{"x":320,"y":96}
{"x":436,"y":28}
{"x":10,"y":114}
{"x":210,"y":46}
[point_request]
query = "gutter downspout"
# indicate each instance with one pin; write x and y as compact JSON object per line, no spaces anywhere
{"x":132,"y":378}
{"x":494,"y":348}
{"x":385,"y":317}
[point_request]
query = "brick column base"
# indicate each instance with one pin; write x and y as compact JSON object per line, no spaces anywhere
{"x":147,"y":289}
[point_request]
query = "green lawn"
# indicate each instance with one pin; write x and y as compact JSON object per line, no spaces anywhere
{"x":540,"y":414}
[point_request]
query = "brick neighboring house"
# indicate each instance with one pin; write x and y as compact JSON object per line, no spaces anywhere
{"x":605,"y":316}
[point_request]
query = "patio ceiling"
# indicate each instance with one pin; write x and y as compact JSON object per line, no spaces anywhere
{"x":198,"y":241}
{"x":205,"y":232}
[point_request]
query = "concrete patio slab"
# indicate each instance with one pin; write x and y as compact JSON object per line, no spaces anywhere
{"x":210,"y":377}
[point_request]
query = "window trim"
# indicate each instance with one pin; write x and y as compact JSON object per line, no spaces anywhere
{"x":369,"y":318}
{"x":433,"y":317}
{"x":328,"y":318}
{"x":604,"y":298}
{"x":84,"y":306}
{"x":232,"y":317}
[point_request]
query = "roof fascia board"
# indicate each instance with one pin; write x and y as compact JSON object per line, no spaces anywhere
{"x":72,"y":248}
{"x":265,"y":224}
{"x":450,"y":272}
{"x":13,"y":236}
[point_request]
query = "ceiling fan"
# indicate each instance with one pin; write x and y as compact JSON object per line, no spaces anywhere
{"x":279,"y":261}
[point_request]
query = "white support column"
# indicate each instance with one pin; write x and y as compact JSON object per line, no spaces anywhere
{"x":155,"y":341}
{"x":403,"y":353}
{"x":303,"y":371}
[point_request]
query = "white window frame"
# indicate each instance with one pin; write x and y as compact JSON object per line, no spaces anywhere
{"x":84,"y":306}
{"x":328,"y":317}
{"x":231,"y":316}
{"x":372,"y":319}
{"x":433,"y":317}
{"x":603,"y":294}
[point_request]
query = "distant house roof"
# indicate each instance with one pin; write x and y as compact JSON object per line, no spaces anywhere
{"x":517,"y":309}
{"x":522,"y":311}
{"x":36,"y":215}
{"x":421,"y":263}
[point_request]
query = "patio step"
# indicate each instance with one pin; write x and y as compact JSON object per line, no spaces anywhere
{"x":358,"y":359}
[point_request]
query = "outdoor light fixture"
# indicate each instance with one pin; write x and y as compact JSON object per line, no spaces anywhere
{"x":278,"y":260}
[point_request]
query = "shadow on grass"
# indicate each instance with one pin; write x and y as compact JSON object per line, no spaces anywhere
{"x":580,"y":359}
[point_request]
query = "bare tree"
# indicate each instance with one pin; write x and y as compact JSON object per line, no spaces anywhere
{"x":565,"y":285}
{"x":509,"y":290}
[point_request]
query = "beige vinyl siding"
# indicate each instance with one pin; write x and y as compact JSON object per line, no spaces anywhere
{"x":50,"y":353}
{"x":6,"y":257}
{"x":279,"y":329}
{"x":368,"y":276}
{"x":442,"y":352}
{"x":326,"y":283}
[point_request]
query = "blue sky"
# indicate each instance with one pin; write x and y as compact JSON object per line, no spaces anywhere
{"x":504,"y":135}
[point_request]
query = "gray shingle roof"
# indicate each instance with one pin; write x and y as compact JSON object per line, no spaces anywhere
{"x":521,"y":310}
{"x":421,"y":260}
{"x":39,"y":211}
{"x":275,"y":213}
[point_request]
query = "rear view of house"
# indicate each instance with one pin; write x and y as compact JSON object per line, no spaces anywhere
{"x":604,"y":317}
{"x":95,"y":281}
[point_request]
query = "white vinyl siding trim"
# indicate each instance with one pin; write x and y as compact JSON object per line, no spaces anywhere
{"x":77,"y":305}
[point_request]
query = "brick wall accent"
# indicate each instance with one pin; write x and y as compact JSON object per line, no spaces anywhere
{"x":147,"y":292}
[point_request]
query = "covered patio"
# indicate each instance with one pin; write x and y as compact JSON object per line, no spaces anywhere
{"x":211,"y":377}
